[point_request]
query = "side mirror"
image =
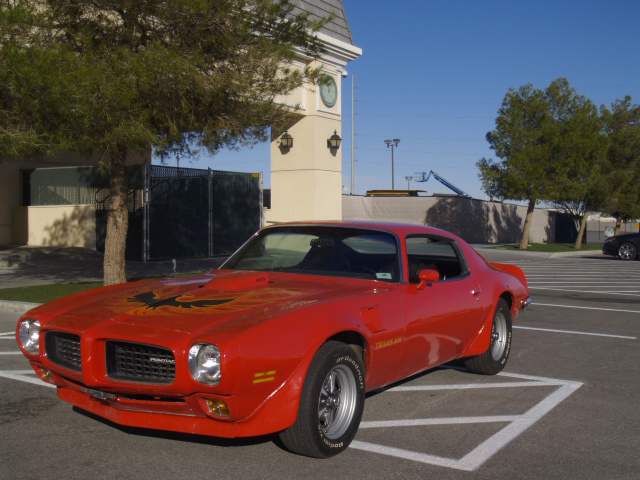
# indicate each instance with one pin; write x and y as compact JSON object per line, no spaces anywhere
{"x":427,"y":276}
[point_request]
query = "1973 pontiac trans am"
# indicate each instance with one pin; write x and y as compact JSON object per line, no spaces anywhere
{"x":286,"y":336}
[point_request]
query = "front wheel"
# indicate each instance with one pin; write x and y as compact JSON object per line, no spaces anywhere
{"x":331,"y":403}
{"x":627,"y":251}
{"x":495,"y":358}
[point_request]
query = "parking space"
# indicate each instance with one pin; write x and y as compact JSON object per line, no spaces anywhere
{"x":565,"y":407}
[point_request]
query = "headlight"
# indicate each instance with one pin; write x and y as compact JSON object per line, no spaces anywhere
{"x":30,"y":335}
{"x":204,"y":363}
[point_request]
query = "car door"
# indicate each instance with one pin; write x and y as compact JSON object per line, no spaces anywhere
{"x":442,"y":316}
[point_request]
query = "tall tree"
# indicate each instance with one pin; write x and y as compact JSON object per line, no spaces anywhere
{"x":119,"y":76}
{"x":622,"y":162}
{"x":544,"y":139}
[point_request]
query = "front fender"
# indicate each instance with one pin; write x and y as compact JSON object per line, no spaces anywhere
{"x":275,"y":366}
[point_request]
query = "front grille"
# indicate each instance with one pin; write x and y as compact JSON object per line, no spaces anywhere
{"x":64,"y":349}
{"x":140,"y":363}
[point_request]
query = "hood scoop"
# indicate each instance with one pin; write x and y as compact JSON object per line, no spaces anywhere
{"x":238,"y":281}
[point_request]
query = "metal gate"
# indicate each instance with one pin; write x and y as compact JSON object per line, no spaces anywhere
{"x":199,"y":213}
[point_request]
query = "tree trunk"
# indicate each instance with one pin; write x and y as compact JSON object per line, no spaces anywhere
{"x":583,"y":228}
{"x":524,"y":241}
{"x":117,"y":221}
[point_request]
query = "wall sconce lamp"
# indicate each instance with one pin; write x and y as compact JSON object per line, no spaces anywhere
{"x":334,"y":140}
{"x":286,"y":141}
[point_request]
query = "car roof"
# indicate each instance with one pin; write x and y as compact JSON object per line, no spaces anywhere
{"x":401,"y":229}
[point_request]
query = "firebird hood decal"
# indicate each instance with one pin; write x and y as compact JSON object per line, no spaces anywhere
{"x":152,"y":302}
{"x":170,"y":301}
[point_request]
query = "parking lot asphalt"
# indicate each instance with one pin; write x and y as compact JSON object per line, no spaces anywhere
{"x":566,"y":406}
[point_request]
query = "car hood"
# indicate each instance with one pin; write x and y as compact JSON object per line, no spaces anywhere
{"x":219,"y":301}
{"x":624,"y":236}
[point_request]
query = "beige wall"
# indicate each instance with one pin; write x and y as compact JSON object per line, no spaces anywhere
{"x":59,"y":225}
{"x":476,"y":221}
{"x":11,"y":185}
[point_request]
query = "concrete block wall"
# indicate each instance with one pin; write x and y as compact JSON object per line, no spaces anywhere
{"x":477,"y":221}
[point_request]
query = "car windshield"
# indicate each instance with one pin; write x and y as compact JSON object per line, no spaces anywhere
{"x":321,"y":250}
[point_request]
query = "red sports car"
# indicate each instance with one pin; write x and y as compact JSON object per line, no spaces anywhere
{"x":287,"y":336}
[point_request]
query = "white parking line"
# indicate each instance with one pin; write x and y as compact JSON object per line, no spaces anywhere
{"x":585,"y":308}
{"x":483,"y":452}
{"x":577,"y":333}
{"x":421,"y":422}
{"x":10,"y":353}
{"x":469,"y":386}
{"x":633,"y":293}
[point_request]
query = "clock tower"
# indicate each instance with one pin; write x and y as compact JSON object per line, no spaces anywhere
{"x":306,"y":175}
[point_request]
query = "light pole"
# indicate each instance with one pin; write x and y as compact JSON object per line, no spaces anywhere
{"x":392,"y":143}
{"x":408,"y":179}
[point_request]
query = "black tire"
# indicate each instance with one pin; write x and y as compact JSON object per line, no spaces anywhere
{"x":627,"y":251}
{"x":495,"y":358}
{"x":331,"y":403}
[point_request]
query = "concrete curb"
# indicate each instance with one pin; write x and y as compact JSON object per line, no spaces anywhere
{"x":528,"y":253}
{"x":20,"y":307}
{"x":580,"y":253}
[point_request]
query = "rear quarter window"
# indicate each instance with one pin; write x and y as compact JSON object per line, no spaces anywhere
{"x":438,"y":253}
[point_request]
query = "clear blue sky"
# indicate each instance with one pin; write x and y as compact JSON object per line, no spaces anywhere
{"x":434,"y":73}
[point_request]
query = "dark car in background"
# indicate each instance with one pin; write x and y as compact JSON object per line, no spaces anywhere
{"x":625,"y":247}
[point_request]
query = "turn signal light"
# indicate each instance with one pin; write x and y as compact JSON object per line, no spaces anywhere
{"x":46,"y":375}
{"x":218,"y":407}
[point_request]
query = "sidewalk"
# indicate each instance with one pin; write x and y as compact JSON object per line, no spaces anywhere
{"x":25,"y":266}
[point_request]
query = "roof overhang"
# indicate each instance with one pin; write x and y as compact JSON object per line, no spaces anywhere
{"x":336,"y":52}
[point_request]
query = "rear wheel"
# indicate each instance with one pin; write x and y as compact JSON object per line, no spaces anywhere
{"x":331,"y":403}
{"x":627,"y":251}
{"x":495,"y":358}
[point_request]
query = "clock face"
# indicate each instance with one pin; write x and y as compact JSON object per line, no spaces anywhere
{"x":329,"y":91}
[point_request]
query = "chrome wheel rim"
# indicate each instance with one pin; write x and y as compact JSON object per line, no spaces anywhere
{"x":337,"y":402}
{"x":498,"y":336}
{"x":625,"y":252}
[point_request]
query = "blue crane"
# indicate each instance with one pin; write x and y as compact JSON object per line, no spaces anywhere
{"x":423,"y":177}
